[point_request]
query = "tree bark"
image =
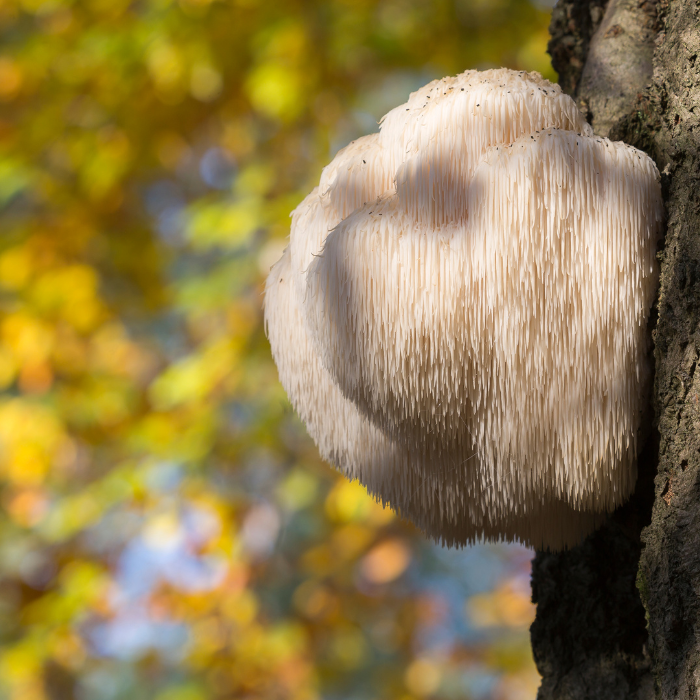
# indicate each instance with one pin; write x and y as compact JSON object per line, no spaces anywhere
{"x":619,"y":616}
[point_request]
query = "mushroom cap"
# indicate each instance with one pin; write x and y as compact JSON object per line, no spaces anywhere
{"x":470,"y":343}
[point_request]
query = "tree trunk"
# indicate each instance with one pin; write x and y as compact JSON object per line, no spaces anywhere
{"x":619,"y":616}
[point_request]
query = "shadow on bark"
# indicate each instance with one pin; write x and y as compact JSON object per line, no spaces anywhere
{"x":589,"y":638}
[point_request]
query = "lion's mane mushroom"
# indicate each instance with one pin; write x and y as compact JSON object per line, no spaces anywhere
{"x":460,"y":316}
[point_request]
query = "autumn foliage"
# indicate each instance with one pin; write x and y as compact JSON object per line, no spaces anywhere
{"x":167,"y":529}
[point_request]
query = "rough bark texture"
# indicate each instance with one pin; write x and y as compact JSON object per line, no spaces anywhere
{"x":632,"y":67}
{"x":589,"y":637}
{"x":619,"y":63}
{"x":669,"y":572}
{"x":574,"y":22}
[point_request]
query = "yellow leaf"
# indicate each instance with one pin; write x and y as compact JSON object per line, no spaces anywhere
{"x":277,"y":91}
{"x":423,"y":677}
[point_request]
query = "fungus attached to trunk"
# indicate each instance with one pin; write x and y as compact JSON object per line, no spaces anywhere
{"x":460,"y":317}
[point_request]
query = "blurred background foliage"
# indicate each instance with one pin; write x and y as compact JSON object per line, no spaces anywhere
{"x":167,"y":529}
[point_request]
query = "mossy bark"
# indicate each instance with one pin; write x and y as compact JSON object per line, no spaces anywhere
{"x":619,"y":616}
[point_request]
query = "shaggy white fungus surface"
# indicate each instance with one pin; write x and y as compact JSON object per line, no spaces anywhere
{"x":460,"y":317}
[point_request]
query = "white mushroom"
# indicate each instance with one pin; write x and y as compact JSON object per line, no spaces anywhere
{"x":471,"y":344}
